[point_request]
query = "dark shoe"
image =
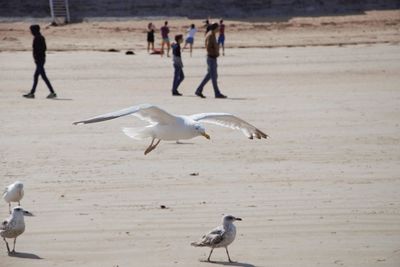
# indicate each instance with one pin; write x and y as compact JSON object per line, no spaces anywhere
{"x":52,"y":95}
{"x":221,"y":96}
{"x":176,"y":93}
{"x":200,"y":95}
{"x":30,"y":95}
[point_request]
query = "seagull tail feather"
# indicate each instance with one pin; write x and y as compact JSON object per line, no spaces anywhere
{"x":197,"y":244}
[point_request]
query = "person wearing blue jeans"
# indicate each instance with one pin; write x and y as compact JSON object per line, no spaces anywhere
{"x":212,"y":55}
{"x":39,"y":55}
{"x":178,"y":65}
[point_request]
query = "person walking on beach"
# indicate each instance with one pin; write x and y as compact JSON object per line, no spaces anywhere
{"x":165,"y":38}
{"x":206,"y":26}
{"x":212,"y":55}
{"x":178,"y":65}
{"x":190,"y":38}
{"x":150,"y":37}
{"x":39,"y":55}
{"x":221,"y":37}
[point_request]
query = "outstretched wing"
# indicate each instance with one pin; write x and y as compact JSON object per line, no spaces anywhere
{"x":230,"y":121}
{"x":147,"y":112}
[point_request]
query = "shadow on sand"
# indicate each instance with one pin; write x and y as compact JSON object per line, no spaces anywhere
{"x":182,"y":143}
{"x":239,"y":98}
{"x":226,"y":99}
{"x":25,"y":255}
{"x":224,"y":263}
{"x":62,"y":99}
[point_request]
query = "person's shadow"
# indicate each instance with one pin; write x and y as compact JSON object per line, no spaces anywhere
{"x":182,"y":143}
{"x":62,"y":99}
{"x":25,"y":255}
{"x":225,"y":263}
{"x":229,"y":98}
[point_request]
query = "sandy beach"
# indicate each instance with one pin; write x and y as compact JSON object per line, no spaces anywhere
{"x":322,"y":191}
{"x":130,"y":34}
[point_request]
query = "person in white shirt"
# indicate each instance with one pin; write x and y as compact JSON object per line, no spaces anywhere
{"x":190,"y":38}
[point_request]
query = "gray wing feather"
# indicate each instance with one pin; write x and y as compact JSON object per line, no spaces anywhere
{"x":147,"y":112}
{"x":230,"y":121}
{"x":213,"y":238}
{"x":4,"y":225}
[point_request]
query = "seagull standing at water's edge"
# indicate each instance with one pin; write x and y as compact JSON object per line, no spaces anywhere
{"x":14,"y":226}
{"x":13,"y":193}
{"x":165,"y":126}
{"x":221,"y":236}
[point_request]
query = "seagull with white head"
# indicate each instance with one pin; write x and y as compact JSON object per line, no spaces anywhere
{"x":220,"y":237}
{"x":169,"y":127}
{"x":14,"y":226}
{"x":13,"y":193}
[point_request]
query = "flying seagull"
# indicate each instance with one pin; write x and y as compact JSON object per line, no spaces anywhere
{"x":14,"y":226}
{"x":221,"y":236}
{"x":169,"y":127}
{"x":13,"y":193}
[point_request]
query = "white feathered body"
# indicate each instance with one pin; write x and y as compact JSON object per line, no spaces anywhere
{"x":180,"y":130}
{"x":13,"y":226}
{"x":14,"y":192}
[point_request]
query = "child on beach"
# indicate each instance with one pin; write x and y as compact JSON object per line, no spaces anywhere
{"x":178,"y":65}
{"x":206,"y":26}
{"x":221,"y":37}
{"x":150,"y":37}
{"x":190,"y":38}
{"x":165,"y":38}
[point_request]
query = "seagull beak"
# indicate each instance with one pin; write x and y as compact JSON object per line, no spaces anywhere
{"x":27,"y":213}
{"x":205,"y":135}
{"x":238,"y":219}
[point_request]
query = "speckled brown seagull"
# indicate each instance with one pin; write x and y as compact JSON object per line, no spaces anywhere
{"x":14,"y":226}
{"x":220,"y":237}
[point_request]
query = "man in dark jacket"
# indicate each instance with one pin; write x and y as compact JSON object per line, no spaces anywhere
{"x":39,"y":55}
{"x":212,"y":54}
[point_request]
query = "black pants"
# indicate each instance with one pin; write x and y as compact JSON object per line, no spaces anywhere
{"x":40,"y":71}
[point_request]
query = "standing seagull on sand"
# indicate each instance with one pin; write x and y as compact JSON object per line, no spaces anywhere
{"x":221,"y":236}
{"x":165,"y":126}
{"x":14,"y":226}
{"x":13,"y":193}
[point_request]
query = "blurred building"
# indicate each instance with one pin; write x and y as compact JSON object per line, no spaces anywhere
{"x":80,"y":9}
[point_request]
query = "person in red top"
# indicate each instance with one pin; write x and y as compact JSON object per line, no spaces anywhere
{"x":165,"y":38}
{"x":221,"y":37}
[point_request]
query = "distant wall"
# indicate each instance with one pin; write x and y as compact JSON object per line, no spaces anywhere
{"x":195,"y":9}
